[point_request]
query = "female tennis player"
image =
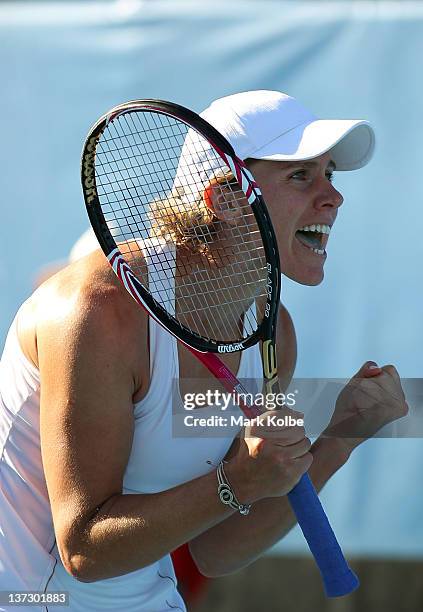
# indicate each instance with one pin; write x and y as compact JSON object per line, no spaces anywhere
{"x":95,"y":490}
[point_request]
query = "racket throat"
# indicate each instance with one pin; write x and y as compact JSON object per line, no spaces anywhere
{"x":270,"y":368}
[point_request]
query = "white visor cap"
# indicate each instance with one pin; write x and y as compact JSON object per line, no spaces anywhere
{"x":271,"y":125}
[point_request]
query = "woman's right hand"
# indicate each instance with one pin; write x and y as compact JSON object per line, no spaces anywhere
{"x":270,"y":458}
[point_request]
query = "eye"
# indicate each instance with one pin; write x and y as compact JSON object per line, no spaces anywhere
{"x":304,"y":174}
{"x":300,"y":175}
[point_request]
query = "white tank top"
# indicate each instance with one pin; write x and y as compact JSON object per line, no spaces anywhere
{"x":29,"y":559}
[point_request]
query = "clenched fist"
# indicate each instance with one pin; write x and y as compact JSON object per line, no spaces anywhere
{"x":370,"y":400}
{"x":270,"y":459}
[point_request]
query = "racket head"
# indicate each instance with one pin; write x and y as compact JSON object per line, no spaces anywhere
{"x":126,"y":166}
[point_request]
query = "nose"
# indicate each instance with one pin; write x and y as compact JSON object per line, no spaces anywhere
{"x":328,"y":196}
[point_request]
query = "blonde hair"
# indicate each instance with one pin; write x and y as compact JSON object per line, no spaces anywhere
{"x":186,"y":221}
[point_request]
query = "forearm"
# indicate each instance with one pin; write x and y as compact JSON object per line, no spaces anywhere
{"x":239,"y":540}
{"x":132,"y":531}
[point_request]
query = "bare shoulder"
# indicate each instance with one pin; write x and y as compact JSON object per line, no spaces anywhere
{"x":286,"y":345}
{"x":85,"y":304}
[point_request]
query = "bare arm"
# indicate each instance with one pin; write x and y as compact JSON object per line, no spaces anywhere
{"x":87,"y":381}
{"x":89,"y":357}
{"x":238,"y":541}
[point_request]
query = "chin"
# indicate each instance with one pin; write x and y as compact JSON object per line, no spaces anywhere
{"x":311,"y":278}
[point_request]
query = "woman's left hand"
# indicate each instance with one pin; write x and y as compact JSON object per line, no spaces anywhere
{"x":371,"y":399}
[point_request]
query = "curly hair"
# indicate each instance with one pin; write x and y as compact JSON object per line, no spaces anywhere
{"x":185,"y":220}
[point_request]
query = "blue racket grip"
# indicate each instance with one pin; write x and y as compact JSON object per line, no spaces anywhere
{"x":338,"y":577}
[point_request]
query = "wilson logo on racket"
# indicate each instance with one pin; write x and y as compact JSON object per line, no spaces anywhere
{"x":88,"y":170}
{"x":230,"y":348}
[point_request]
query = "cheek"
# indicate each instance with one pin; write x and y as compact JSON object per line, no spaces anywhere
{"x":285,"y":222}
{"x":284,"y":209}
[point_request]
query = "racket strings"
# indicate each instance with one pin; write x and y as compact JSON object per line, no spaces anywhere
{"x":160,"y":185}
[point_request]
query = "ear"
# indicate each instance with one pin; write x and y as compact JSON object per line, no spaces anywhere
{"x":221,"y":201}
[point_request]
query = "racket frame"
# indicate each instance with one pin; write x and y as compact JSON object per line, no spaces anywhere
{"x":267,"y":327}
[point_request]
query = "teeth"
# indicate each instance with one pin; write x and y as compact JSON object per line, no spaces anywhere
{"x":322,"y":229}
{"x":319,"y":251}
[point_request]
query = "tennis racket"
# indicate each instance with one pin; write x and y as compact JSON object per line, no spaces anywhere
{"x":165,"y":191}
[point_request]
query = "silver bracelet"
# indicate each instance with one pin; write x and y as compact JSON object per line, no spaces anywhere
{"x":226,"y":493}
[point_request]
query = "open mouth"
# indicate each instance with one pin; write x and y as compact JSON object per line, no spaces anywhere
{"x":314,"y":237}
